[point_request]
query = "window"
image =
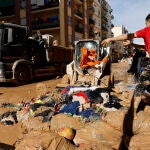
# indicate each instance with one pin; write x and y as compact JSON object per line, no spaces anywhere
{"x":68,"y":2}
{"x":69,"y":20}
{"x":99,"y":13}
{"x":19,"y":36}
{"x":7,"y":37}
{"x":14,"y":36}
{"x":6,"y":7}
{"x":1,"y":35}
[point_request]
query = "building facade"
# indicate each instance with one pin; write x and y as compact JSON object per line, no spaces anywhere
{"x":118,"y":48}
{"x":66,"y":20}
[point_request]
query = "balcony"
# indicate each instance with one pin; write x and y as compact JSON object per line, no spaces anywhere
{"x":91,"y":10}
{"x":104,"y":7}
{"x":91,"y":21}
{"x":50,"y":22}
{"x":45,"y":4}
{"x":79,"y":28}
{"x":110,"y":11}
{"x":104,"y":28}
{"x":78,"y":2}
{"x":45,"y":11}
{"x":104,"y":18}
{"x":78,"y":13}
{"x":112,"y":17}
{"x":91,"y":33}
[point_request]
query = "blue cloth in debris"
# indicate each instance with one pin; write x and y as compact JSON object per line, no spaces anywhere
{"x":95,"y":116}
{"x":71,"y":108}
{"x":86,"y":113}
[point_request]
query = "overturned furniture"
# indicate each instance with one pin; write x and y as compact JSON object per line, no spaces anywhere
{"x":91,"y":65}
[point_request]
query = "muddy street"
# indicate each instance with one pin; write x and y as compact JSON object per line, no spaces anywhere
{"x":10,"y":94}
{"x":123,"y":90}
{"x":14,"y":94}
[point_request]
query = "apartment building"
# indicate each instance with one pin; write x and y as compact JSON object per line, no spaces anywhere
{"x":106,"y":18}
{"x":118,"y":48}
{"x":95,"y":18}
{"x":66,"y":20}
{"x":102,"y":18}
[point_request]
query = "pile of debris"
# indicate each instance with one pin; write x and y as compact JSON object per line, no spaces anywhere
{"x":78,"y":117}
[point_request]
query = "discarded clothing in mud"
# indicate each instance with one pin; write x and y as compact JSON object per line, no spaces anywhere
{"x":113,"y":104}
{"x":70,"y":108}
{"x":85,"y":101}
{"x":9,"y":118}
{"x":79,"y":95}
{"x":73,"y":109}
{"x":144,"y":81}
{"x":86,"y":113}
{"x":92,"y":94}
{"x":46,"y":104}
{"x":47,"y":115}
{"x":99,"y":95}
{"x":73,"y":89}
{"x":10,"y":105}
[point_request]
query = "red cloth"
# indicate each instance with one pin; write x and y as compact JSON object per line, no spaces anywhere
{"x":145,"y":34}
{"x":81,"y":93}
{"x":64,"y":90}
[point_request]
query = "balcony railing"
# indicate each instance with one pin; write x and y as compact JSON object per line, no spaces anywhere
{"x":110,"y":11}
{"x":78,"y":13}
{"x":79,"y":28}
{"x":50,"y":22}
{"x":91,"y":33}
{"x":104,"y":7}
{"x":104,"y":27}
{"x":46,"y":4}
{"x":91,"y":21}
{"x":91,"y":10}
{"x":105,"y":18}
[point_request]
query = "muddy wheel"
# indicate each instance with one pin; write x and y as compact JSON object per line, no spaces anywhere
{"x":22,"y":75}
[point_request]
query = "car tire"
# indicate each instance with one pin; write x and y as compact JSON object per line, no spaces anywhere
{"x":22,"y":75}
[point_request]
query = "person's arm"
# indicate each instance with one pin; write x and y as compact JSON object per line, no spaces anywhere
{"x":138,"y":46}
{"x":131,"y":44}
{"x":118,"y":38}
